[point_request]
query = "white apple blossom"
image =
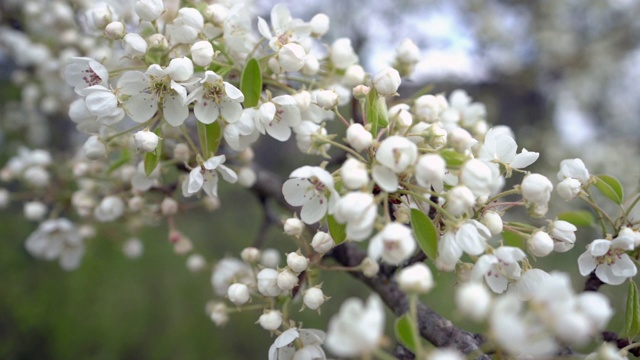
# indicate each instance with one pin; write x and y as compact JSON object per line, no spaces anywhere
{"x":354,"y":75}
{"x":103,"y":107}
{"x":473,"y":300}
{"x":429,"y":107}
{"x":478,"y":176}
{"x":493,"y":221}
{"x":501,"y":148}
{"x":133,"y":248}
{"x":569,"y":188}
{"x":394,"y":244}
{"x":240,"y":134}
{"x":357,"y":328}
{"x":196,"y":263}
{"x":270,"y":258}
{"x":297,"y":262}
{"x":311,"y":340}
{"x":57,"y":239}
{"x":563,"y":234}
{"x":229,"y":271}
{"x":326,"y":99}
{"x":268,"y":282}
{"x":143,"y":91}
{"x":146,"y":140}
{"x":313,"y":298}
{"x":110,"y":208}
{"x":460,"y":199}
{"x":180,"y":69}
{"x":205,"y":177}
{"x":407,"y":54}
{"x":149,"y":10}
{"x":306,"y":132}
{"x":609,"y":260}
{"x":186,"y":26}
{"x":312,"y":188}
{"x":358,"y":210}
{"x":575,"y":169}
{"x":270,"y":320}
{"x":540,"y":244}
{"x":291,"y":57}
{"x":430,"y":171}
{"x":83,"y":72}
{"x":293,"y":227}
{"x":250,"y":255}
{"x":461,"y":140}
{"x":134,"y":45}
{"x":395,"y":155}
{"x":215,"y":97}
{"x":287,"y":280}
{"x":319,"y":24}
{"x":94,"y":149}
{"x":286,"y":29}
{"x":342,"y":54}
{"x":238,"y":293}
{"x":499,"y":268}
{"x":34,"y":210}
{"x":202,"y":53}
{"x":278,"y":116}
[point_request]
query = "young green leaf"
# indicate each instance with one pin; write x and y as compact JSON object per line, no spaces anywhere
{"x":152,"y":159}
{"x":376,"y":110}
{"x":578,"y":218}
{"x":337,"y":231}
{"x":452,"y":157}
{"x":609,"y":187}
{"x":251,"y":83}
{"x":209,"y":135}
{"x":426,"y":233}
{"x":513,"y":239}
{"x":632,"y":323}
{"x":125,"y":157}
{"x":404,"y":332}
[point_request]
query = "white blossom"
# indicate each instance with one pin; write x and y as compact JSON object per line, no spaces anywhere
{"x":540,"y":244}
{"x":312,"y":188}
{"x":357,"y":328}
{"x":395,"y":155}
{"x":536,"y":190}
{"x":186,"y":26}
{"x":311,"y":340}
{"x":313,"y":298}
{"x":501,"y":148}
{"x":322,"y":242}
{"x":110,"y":209}
{"x":358,"y":210}
{"x":205,"y":177}
{"x":416,"y":278}
{"x":473,"y":300}
{"x":83,"y":72}
{"x":498,"y":268}
{"x":575,"y":169}
{"x":354,"y":174}
{"x":609,"y":260}
{"x":297,"y":262}
{"x":146,"y":140}
{"x":214,"y":98}
{"x":268,"y":282}
{"x":387,"y":81}
{"x":342,"y":54}
{"x":563,"y":234}
{"x":202,"y":53}
{"x":57,"y":239}
{"x":270,"y":320}
{"x":358,"y":137}
{"x":394,"y":244}
{"x":149,"y":10}
{"x":238,"y":293}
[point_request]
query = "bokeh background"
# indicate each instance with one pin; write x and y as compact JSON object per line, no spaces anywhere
{"x":563,"y":74}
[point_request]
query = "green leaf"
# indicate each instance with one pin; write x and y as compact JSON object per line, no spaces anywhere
{"x":376,"y":111}
{"x":426,"y":233}
{"x":513,"y":239}
{"x":632,"y":324}
{"x":251,"y":83}
{"x":152,"y":159}
{"x":609,"y":187}
{"x":577,"y":218}
{"x":209,"y":136}
{"x":337,"y":231}
{"x":404,"y":332}
{"x":452,"y":158}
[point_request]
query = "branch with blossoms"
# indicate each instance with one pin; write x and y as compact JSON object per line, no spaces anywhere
{"x":172,"y":100}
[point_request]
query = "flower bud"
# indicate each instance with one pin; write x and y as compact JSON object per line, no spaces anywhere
{"x":196,"y":263}
{"x":387,"y":81}
{"x":459,"y":200}
{"x":4,"y":198}
{"x":267,"y":282}
{"x":360,"y":92}
{"x":293,"y":227}
{"x":211,"y":203}
{"x":114,"y":30}
{"x":540,"y":244}
{"x":354,"y":174}
{"x":536,"y":189}
{"x":180,"y":69}
{"x":313,"y":298}
{"x":358,"y":137}
{"x":238,"y":293}
{"x":569,"y":188}
{"x":217,"y":13}
{"x":322,"y":242}
{"x":109,"y":209}
{"x":311,"y":65}
{"x":564,"y":235}
{"x":270,"y":258}
{"x":461,"y":140}
{"x":287,"y":280}
{"x":342,"y":54}
{"x":477,"y":176}
{"x":270,"y":320}
{"x":353,"y":76}
{"x":218,"y":313}
{"x":493,"y":221}
{"x":181,"y":152}
{"x":319,"y":24}
{"x":473,"y":300}
{"x":430,"y":171}
{"x":291,"y":57}
{"x":133,"y":248}
{"x":94,"y":149}
{"x":158,"y":42}
{"x":246,"y":177}
{"x":202,"y":53}
{"x":149,"y":10}
{"x":369,"y":267}
{"x":415,"y":279}
{"x":146,"y":141}
{"x":134,"y":44}
{"x":326,"y":99}
{"x":168,"y":206}
{"x":297,"y":262}
{"x":36,"y":176}
{"x":136,"y":203}
{"x":407,"y":52}
{"x":34,"y":210}
{"x":250,"y":255}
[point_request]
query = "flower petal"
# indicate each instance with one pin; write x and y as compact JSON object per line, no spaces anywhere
{"x":385,"y":178}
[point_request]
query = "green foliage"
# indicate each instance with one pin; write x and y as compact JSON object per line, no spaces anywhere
{"x":376,"y":111}
{"x":581,"y":218}
{"x":209,"y":136}
{"x":337,"y":231}
{"x":632,"y":324}
{"x":452,"y":158}
{"x":609,"y":187}
{"x":251,"y":83}
{"x":426,"y":233}
{"x":511,"y":238}
{"x":404,"y":332}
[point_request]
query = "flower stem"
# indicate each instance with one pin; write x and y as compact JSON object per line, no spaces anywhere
{"x":415,"y":331}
